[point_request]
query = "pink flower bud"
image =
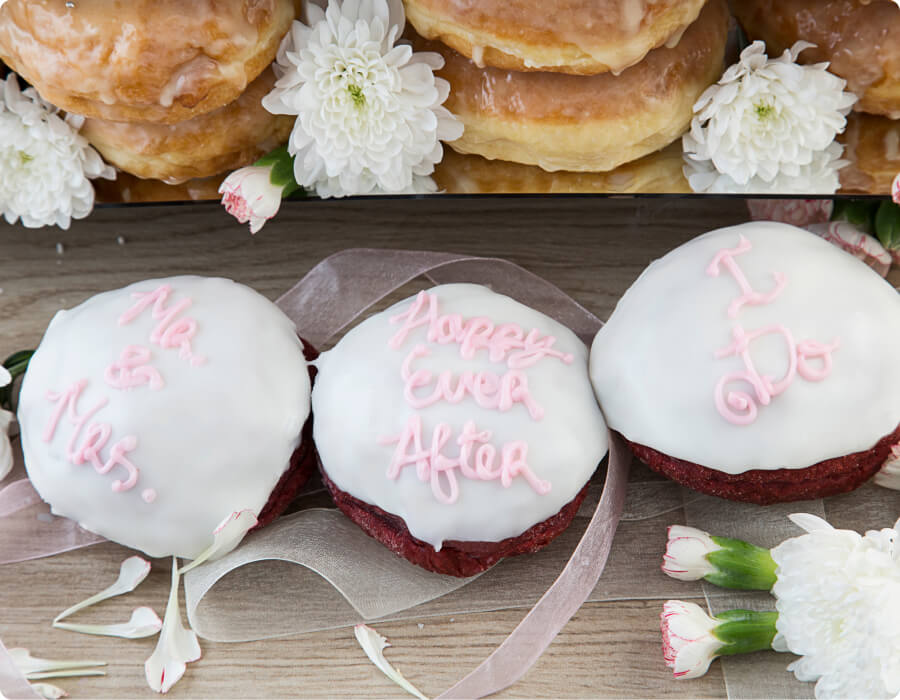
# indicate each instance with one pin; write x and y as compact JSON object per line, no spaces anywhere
{"x":689,"y":645}
{"x":249,"y":195}
{"x":859,"y":244}
{"x":686,"y":550}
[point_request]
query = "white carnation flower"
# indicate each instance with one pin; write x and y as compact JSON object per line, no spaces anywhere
{"x":45,"y":165}
{"x":839,"y":608}
{"x":369,"y":114}
{"x":768,"y":125}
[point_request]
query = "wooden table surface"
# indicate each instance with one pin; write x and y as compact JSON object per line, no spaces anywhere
{"x":591,"y":248}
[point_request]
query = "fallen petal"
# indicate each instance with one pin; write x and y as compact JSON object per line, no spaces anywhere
{"x":176,"y":647}
{"x":76,"y":673}
{"x":131,"y":573}
{"x":374,"y":644}
{"x":29,"y":664}
{"x":144,"y":622}
{"x":226,"y":537}
{"x":48,"y":691}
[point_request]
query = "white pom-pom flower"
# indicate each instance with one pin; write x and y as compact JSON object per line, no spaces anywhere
{"x":369,"y":114}
{"x":839,"y":607}
{"x":45,"y":165}
{"x":768,"y":125}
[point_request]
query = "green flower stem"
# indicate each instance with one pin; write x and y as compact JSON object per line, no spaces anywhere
{"x":16,"y":364}
{"x":741,"y":565}
{"x":743,"y":631}
{"x":282,"y":174}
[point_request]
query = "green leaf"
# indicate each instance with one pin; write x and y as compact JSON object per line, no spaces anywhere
{"x":859,"y":212}
{"x":887,"y":225}
{"x":282,"y":174}
{"x":16,"y":364}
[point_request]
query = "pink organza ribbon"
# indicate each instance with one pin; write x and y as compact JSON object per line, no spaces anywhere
{"x":13,"y":685}
{"x":27,"y":528}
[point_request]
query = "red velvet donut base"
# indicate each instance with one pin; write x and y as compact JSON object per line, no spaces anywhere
{"x":455,"y":558}
{"x":302,"y":465}
{"x":763,"y":487}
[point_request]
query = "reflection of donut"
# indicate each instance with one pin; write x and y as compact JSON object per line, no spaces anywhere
{"x":585,"y":123}
{"x":660,"y":172}
{"x":130,"y":189}
{"x":570,"y":36}
{"x":148,"y":60}
{"x":859,"y":38}
{"x":227,"y":138}
{"x":872,"y":147}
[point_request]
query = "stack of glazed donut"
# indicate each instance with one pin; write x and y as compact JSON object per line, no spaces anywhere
{"x":170,"y":90}
{"x":860,"y":39}
{"x":585,"y":88}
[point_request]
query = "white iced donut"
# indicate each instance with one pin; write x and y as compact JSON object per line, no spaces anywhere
{"x":150,"y":413}
{"x":755,"y":347}
{"x":462,"y":412}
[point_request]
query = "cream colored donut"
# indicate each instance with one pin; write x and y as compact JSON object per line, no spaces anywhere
{"x":145,"y":60}
{"x":585,"y":123}
{"x":581,"y":37}
{"x":859,"y":38}
{"x":227,"y":138}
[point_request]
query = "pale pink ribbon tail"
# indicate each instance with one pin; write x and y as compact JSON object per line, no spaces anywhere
{"x":528,"y":641}
{"x":13,"y":685}
{"x":29,"y":531}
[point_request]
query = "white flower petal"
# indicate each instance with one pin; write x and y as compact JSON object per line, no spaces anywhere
{"x":226,"y":537}
{"x":131,"y":573}
{"x":839,"y":608}
{"x":686,"y":550}
{"x":176,"y":647}
{"x":144,"y":622}
{"x":35,"y":668}
{"x":689,"y":645}
{"x":5,"y":377}
{"x":47,"y":690}
{"x":374,"y":645}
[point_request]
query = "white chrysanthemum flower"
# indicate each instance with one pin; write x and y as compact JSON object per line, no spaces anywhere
{"x":768,"y":125}
{"x":839,"y":608}
{"x":45,"y":165}
{"x":369,"y":114}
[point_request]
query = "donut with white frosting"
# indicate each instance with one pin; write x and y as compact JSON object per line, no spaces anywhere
{"x":757,"y":363}
{"x":150,"y":413}
{"x":458,"y":427}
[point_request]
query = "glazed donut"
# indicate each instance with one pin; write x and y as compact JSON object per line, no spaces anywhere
{"x":227,"y":138}
{"x":142,"y":60}
{"x":660,"y":172}
{"x":581,"y":37}
{"x":872,"y":147}
{"x":585,"y":123}
{"x":859,"y":38}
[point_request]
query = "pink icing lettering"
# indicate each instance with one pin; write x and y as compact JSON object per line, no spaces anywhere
{"x":475,"y":334}
{"x":810,"y":349}
{"x":171,"y":331}
{"x":750,"y":296}
{"x":133,"y":369}
{"x":94,"y":437}
{"x":742,"y":407}
{"x":431,"y":464}
{"x":486,"y":388}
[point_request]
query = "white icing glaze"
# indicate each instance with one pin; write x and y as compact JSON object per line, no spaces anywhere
{"x":358,"y":398}
{"x":654,"y":370}
{"x":214,"y":439}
